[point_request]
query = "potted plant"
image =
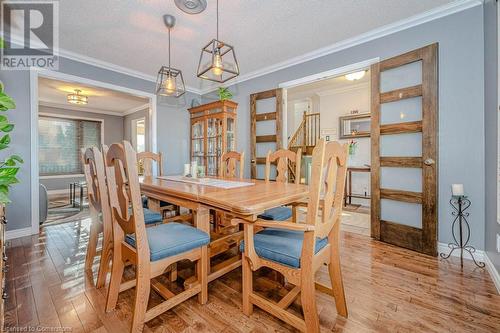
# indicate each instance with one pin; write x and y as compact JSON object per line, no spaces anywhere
{"x":224,"y":94}
{"x":9,"y":167}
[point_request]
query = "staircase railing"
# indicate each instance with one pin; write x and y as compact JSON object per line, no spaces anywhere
{"x":307,"y":134}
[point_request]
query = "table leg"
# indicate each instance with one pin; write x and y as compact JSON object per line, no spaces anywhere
{"x":71,"y":202}
{"x":201,"y":217}
{"x":350,"y":187}
{"x":81,"y":198}
{"x":154,"y":204}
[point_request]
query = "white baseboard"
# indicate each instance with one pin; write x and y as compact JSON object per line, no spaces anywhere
{"x":480,"y":255}
{"x":495,"y":275}
{"x":12,"y":234}
{"x":443,"y":248}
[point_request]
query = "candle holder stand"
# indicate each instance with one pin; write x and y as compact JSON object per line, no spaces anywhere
{"x":460,"y":204}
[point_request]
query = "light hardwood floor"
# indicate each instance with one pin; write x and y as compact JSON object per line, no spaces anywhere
{"x":388,"y":289}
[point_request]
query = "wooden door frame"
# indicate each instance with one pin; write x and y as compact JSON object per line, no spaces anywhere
{"x":272,"y":93}
{"x":424,"y":239}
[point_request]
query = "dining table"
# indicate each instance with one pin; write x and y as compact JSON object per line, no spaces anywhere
{"x":245,"y":202}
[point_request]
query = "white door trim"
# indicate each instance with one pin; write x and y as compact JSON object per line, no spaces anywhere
{"x":365,"y":64}
{"x":34,"y":75}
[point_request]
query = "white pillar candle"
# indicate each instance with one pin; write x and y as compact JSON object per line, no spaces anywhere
{"x":457,"y":189}
{"x":194,"y":169}
{"x":187,"y":169}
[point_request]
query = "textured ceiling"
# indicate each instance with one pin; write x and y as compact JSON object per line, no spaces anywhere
{"x":100,"y":99}
{"x":131,"y":34}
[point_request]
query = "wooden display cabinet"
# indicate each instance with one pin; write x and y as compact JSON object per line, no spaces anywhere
{"x":213,"y":132}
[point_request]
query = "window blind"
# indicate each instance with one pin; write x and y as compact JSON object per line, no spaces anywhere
{"x":60,"y":140}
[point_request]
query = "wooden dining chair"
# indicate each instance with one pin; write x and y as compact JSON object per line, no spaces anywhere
{"x":228,"y":162}
{"x":152,"y":250}
{"x":284,"y":160}
{"x":298,"y":250}
{"x":145,"y":161}
{"x":100,"y":212}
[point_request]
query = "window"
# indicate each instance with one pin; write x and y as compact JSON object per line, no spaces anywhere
{"x":139,"y":134}
{"x":60,"y":141}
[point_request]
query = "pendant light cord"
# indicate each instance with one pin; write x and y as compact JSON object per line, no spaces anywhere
{"x":169,"y":49}
{"x":217,"y":19}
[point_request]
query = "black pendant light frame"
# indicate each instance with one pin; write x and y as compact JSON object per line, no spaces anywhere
{"x":167,"y":72}
{"x":214,"y":48}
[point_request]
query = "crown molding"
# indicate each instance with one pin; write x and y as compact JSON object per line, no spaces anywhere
{"x":50,"y":104}
{"x":340,"y":90}
{"x":433,"y":14}
{"x":136,"y":109}
{"x":388,"y":29}
{"x":101,"y":64}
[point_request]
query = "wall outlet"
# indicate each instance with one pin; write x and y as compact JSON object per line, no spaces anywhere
{"x":498,"y":243}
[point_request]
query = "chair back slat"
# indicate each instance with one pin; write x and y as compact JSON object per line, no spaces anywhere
{"x":146,"y":159}
{"x":124,"y":192}
{"x":228,"y":164}
{"x":282,"y":157}
{"x":95,"y":176}
{"x":329,"y":170}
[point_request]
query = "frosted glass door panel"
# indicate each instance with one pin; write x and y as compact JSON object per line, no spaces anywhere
{"x":405,"y":179}
{"x":266,"y":105}
{"x":401,"y":145}
{"x":263,"y":148}
{"x":401,"y":77}
{"x":265,"y":127}
{"x":402,"y":111}
{"x":405,"y":213}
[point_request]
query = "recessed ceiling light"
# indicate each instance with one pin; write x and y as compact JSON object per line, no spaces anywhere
{"x":355,"y":76}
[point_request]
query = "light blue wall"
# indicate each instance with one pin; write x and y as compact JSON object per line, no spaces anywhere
{"x":461,"y":102}
{"x":491,"y":129}
{"x":173,"y":128}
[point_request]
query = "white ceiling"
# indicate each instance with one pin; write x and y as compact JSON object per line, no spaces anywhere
{"x":328,"y":86}
{"x":131,"y":33}
{"x":54,"y":92}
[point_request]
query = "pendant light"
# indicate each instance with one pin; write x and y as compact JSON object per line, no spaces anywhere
{"x":217,"y":60}
{"x":169,"y":82}
{"x":77,"y":98}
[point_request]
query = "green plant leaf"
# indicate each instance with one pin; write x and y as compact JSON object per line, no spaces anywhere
{"x":5,"y":139}
{"x":6,"y":181}
{"x":3,"y":119}
{"x":4,"y":189}
{"x":16,"y":158}
{"x":6,"y":128}
{"x":8,"y":171}
{"x":6,"y":102}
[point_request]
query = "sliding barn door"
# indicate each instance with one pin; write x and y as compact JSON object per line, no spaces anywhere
{"x":265,"y":128}
{"x":404,"y":150}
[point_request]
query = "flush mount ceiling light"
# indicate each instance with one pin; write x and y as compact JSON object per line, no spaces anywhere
{"x":355,"y":76}
{"x":169,"y":82}
{"x":217,"y":60}
{"x":77,"y":98}
{"x":191,"y":6}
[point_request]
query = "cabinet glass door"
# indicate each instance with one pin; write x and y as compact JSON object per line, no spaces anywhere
{"x":197,"y":142}
{"x":230,"y":135}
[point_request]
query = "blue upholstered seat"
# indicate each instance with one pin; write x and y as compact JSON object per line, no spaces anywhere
{"x":151,"y":217}
{"x":282,"y":246}
{"x":166,"y":240}
{"x":277,"y":214}
{"x":145,"y":202}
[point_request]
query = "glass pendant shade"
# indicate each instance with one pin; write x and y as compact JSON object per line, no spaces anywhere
{"x":170,"y":82}
{"x":218,"y":62}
